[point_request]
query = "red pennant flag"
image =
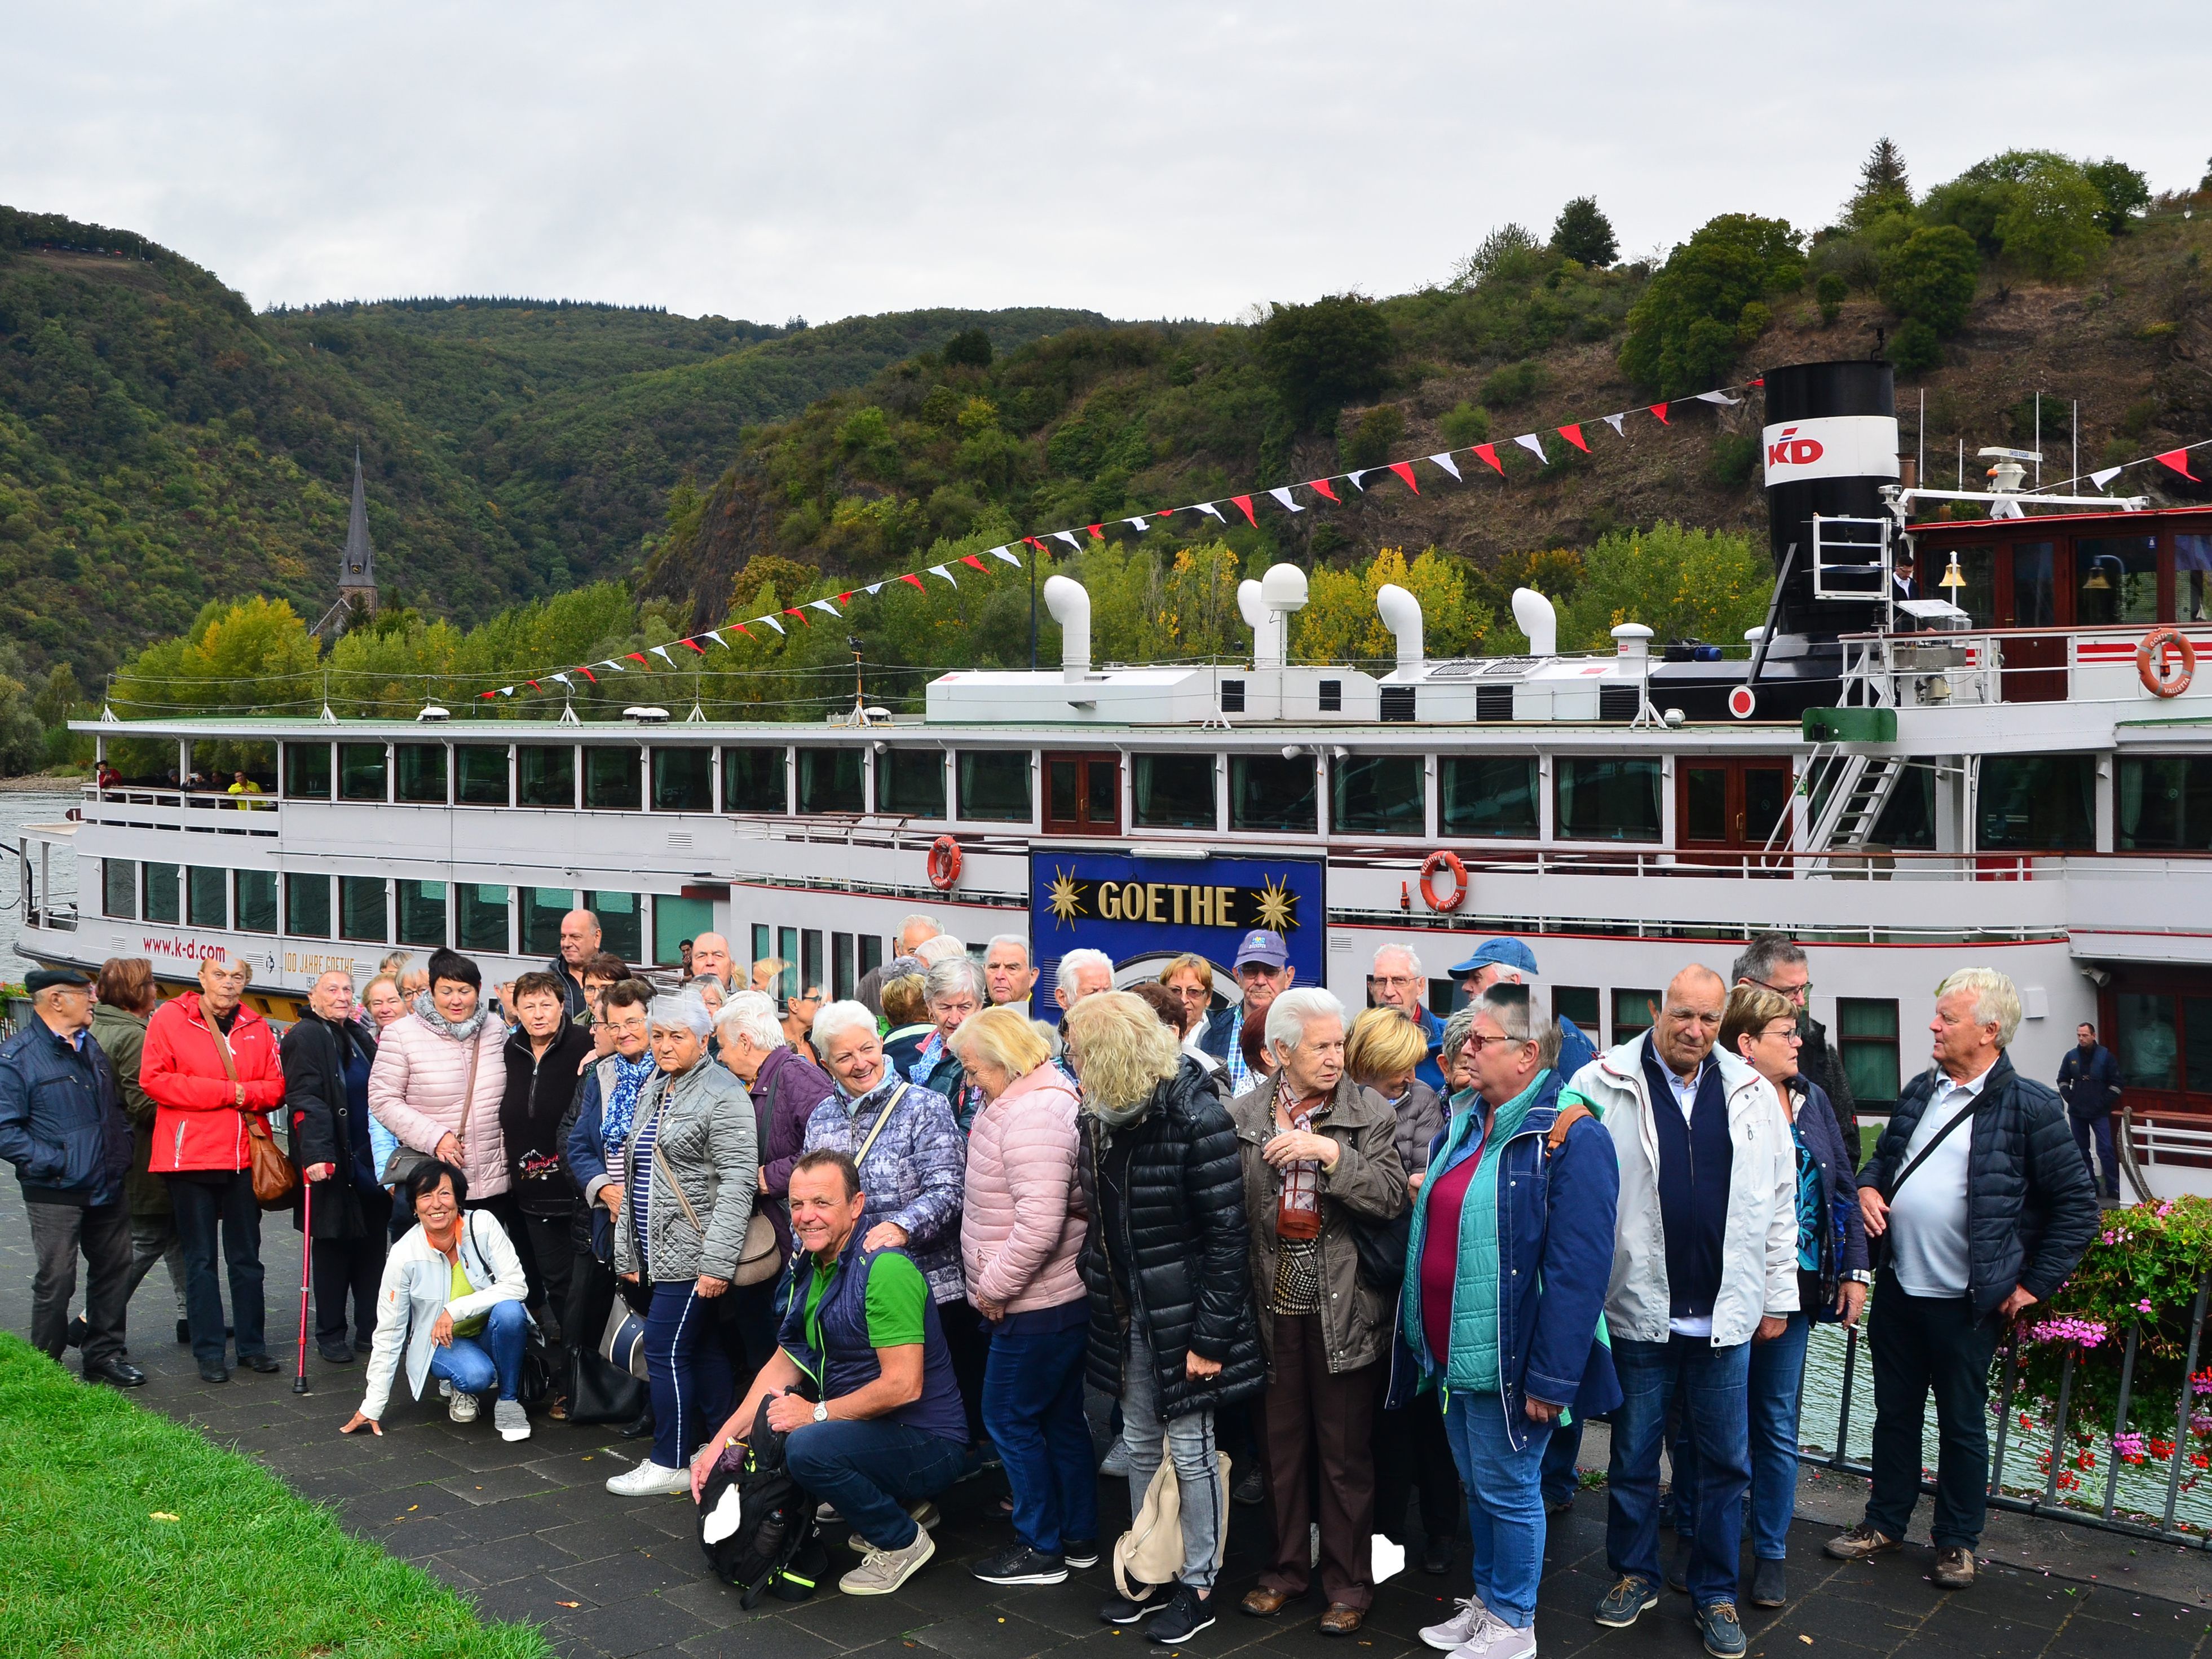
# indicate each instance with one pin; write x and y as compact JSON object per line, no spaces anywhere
{"x":789,"y":611}
{"x":911,"y":577}
{"x":1097,"y":534}
{"x":1573,"y":435}
{"x":694,"y":645}
{"x":2178,"y":460}
{"x":637,"y":657}
{"x":1489,"y":454}
{"x":1761,"y":381}
{"x":487,"y":694}
{"x":587,"y":674}
{"x":1243,"y":504}
{"x":534,"y":685}
{"x":1031,"y":540}
{"x":971,"y":559}
{"x":1323,"y":485}
{"x":1405,"y":469}
{"x":845,"y":600}
{"x":743,"y":630}
{"x":1660,"y":409}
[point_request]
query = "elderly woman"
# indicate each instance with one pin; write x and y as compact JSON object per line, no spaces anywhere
{"x":1411,"y":1451}
{"x":1511,"y":1248}
{"x":380,"y":1005}
{"x":906,"y":1024}
{"x":1319,"y":1159}
{"x":1164,"y":1266}
{"x":952,"y":990}
{"x":688,"y":1172}
{"x":594,"y":1133}
{"x":1021,"y":1231}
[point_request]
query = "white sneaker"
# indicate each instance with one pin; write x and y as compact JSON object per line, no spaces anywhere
{"x":462,"y":1408}
{"x":512,"y":1421}
{"x":926,"y":1516}
{"x":827,"y":1514}
{"x":1456,"y":1630}
{"x":1493,"y":1638}
{"x":882,"y":1571}
{"x":649,"y":1480}
{"x":445,"y":1387}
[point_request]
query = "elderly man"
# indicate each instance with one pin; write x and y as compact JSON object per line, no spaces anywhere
{"x":62,"y":1127}
{"x":327,"y":1059}
{"x":1081,"y":974}
{"x":1009,"y":972}
{"x":914,"y":932}
{"x":1263,"y":972}
{"x":710,"y":954}
{"x":1705,"y":1264}
{"x":579,"y":942}
{"x":1774,"y":961}
{"x":1987,"y":1206}
{"x":1398,"y":984}
{"x":1510,"y":962}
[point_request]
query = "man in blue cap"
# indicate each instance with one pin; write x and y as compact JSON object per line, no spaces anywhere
{"x":1509,"y":962}
{"x":1263,"y":970}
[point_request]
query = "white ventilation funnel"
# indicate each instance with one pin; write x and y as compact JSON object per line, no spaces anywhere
{"x":1633,"y":640}
{"x":1533,"y":614}
{"x":1070,"y":605}
{"x":1265,"y":625}
{"x":1401,"y":614}
{"x":1282,"y":590}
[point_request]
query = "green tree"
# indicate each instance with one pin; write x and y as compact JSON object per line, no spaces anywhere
{"x":252,"y":656}
{"x":1931,"y":274}
{"x":1683,"y":584}
{"x":1321,"y":356}
{"x":1915,"y":347}
{"x":58,"y":697}
{"x":2053,"y":225}
{"x":1374,"y":439}
{"x":2126,"y":193}
{"x":1508,"y":250}
{"x":1464,"y":423}
{"x":22,"y":734}
{"x":1707,"y":302}
{"x":1830,"y":292}
{"x":1883,"y":187}
{"x":970,"y":347}
{"x":1584,"y":235}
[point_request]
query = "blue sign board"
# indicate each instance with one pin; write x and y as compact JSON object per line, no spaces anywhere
{"x":1139,"y":910}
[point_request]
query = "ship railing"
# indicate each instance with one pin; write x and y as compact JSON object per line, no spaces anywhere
{"x":1922,"y":670}
{"x":62,"y":917}
{"x":181,"y":800}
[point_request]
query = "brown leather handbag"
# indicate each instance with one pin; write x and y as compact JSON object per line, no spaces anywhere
{"x":274,"y":1177}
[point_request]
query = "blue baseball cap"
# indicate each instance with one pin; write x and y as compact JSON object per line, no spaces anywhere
{"x":1263,"y":947}
{"x":1498,"y":952}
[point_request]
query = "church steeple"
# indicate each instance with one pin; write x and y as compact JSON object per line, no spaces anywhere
{"x":357,"y":564}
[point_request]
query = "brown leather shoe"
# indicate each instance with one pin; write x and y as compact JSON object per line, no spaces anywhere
{"x":1261,"y":1602}
{"x":1955,"y":1567}
{"x":1341,"y":1621}
{"x":1859,"y":1543}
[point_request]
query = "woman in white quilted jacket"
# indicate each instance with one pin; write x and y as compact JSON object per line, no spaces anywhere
{"x":421,"y":1087}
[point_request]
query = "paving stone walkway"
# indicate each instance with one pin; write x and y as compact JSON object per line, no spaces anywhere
{"x":527,"y":1532}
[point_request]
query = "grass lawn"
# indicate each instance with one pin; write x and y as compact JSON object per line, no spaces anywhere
{"x":125,"y":1534}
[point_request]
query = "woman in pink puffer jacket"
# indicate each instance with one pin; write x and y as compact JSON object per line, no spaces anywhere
{"x":422,"y":1067}
{"x":1022,"y":1229}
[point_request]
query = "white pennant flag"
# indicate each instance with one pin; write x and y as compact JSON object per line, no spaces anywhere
{"x":1141,"y":526}
{"x":610,"y":663}
{"x":830,"y":606}
{"x":771,"y":621}
{"x":939,"y":570}
{"x":1535,"y":446}
{"x":1210,"y":510}
{"x":2101,"y":478}
{"x":1001,"y":553}
{"x":1446,"y":462}
{"x":566,"y":681}
{"x":661,"y":652}
{"x":716,"y":635}
{"x":1067,"y":536}
{"x":1717,"y":397}
{"x":1283,"y":496}
{"x":506,"y":690}
{"x":1614,"y":421}
{"x":874,"y":588}
{"x":1356,"y":476}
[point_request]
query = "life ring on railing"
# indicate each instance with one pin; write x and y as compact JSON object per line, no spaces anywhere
{"x":1443,"y":858}
{"x":943,"y":863}
{"x":2165,"y":661}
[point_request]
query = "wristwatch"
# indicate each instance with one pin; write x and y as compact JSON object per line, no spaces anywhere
{"x":822,"y":1411}
{"x":1859,"y":1276}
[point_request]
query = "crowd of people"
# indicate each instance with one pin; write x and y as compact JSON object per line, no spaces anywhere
{"x":1342,"y":1268}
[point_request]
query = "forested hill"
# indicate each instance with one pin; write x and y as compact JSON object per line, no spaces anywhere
{"x":162,"y":444}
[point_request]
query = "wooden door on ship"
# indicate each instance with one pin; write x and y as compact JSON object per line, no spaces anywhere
{"x":1725,"y":809}
{"x":1082,"y":794}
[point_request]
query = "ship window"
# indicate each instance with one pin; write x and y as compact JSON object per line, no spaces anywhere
{"x":2192,"y":558}
{"x":361,"y":771}
{"x":254,"y":892}
{"x":119,"y":889}
{"x":361,"y":909}
{"x":1172,"y":792}
{"x":1866,"y":1032}
{"x":830,"y":780}
{"x":546,"y":775}
{"x":871,"y":953}
{"x":621,"y":923}
{"x":1607,"y":798}
{"x":422,"y":914}
{"x":1632,"y":1012}
{"x":307,"y":906}
{"x":763,"y":946}
{"x":1379,"y":795}
{"x":2148,"y":1047}
{"x":2037,"y":803}
{"x":2118,"y":580}
{"x":1578,"y":1003}
{"x":1266,"y":791}
{"x":307,"y":771}
{"x":2164,"y":803}
{"x":1908,"y":818}
{"x":542,"y":910}
{"x":481,"y":916}
{"x":1978,"y":565}
{"x":682,"y":782}
{"x":419,"y":773}
{"x":810,"y":963}
{"x":206,"y":897}
{"x":910,"y":783}
{"x":2035,"y":586}
{"x":162,"y":901}
{"x":753,"y":780}
{"x":674,"y":920}
{"x":612,"y":780}
{"x":841,"y":966}
{"x":787,"y":956}
{"x":1488,"y":795}
{"x":994,"y":785}
{"x":482,"y":770}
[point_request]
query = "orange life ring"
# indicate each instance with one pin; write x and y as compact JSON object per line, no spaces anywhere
{"x":2156,"y":665}
{"x":1442,"y":859}
{"x":943,"y":863}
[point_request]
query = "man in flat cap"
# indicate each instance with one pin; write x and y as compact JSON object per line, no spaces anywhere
{"x":62,"y":1127}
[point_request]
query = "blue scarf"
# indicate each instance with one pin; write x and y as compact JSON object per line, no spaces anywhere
{"x":615,"y":1115}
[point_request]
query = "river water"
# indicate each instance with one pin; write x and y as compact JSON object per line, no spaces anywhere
{"x":17,"y":810}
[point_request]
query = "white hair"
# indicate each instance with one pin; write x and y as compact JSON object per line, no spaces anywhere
{"x":1075,"y":962}
{"x":1413,"y":957}
{"x":832,"y":1019}
{"x":686,"y":1008}
{"x":1517,"y":1014}
{"x":1016,"y":941}
{"x":950,"y":977}
{"x":1996,"y":1002}
{"x":918,"y":919}
{"x":941,"y":948}
{"x":1289,"y":1014}
{"x":750,"y":1015}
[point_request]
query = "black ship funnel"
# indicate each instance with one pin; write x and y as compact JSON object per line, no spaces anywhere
{"x":1829,"y":444}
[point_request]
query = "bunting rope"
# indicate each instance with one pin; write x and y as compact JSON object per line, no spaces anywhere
{"x":2175,"y":460}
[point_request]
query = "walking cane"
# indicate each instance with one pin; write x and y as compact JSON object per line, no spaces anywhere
{"x":307,"y":1255}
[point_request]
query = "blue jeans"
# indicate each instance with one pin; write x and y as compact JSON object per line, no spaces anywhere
{"x":1714,"y":1384}
{"x":1562,"y":1480}
{"x":2099,"y":1129}
{"x":1504,"y":1502}
{"x":473,"y":1364}
{"x":688,"y":1371}
{"x":872,"y":1469}
{"x":1033,"y":1412}
{"x":201,"y":1207}
{"x":1776,"y":1387}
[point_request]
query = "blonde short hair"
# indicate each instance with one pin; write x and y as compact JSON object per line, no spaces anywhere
{"x":1189,"y":962}
{"x":1751,"y":1009}
{"x":1122,"y":1049}
{"x":1996,"y":1002}
{"x":903,"y":1001}
{"x":1002,"y":1037}
{"x":1383,"y":1043}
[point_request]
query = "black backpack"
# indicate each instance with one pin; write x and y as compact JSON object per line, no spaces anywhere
{"x":755,"y":1525}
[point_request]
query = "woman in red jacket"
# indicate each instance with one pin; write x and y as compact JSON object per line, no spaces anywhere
{"x":209,"y":1064}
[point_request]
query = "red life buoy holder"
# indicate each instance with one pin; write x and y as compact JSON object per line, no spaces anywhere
{"x":1443,"y":859}
{"x":2165,"y":661}
{"x":943,"y":863}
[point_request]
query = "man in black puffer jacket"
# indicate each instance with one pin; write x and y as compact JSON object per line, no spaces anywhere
{"x":1172,"y":1335}
{"x":1985,"y":1206}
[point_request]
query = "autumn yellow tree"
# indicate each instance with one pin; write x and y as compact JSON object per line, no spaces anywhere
{"x":1341,"y":624}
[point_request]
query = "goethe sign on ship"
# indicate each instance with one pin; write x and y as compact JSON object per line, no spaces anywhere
{"x":1831,"y":447}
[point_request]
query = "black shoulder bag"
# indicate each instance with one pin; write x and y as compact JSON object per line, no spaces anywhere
{"x":1878,"y":1248}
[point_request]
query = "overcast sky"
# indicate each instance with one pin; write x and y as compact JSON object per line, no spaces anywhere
{"x":828,"y":158}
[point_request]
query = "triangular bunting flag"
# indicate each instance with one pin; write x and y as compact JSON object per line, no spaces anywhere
{"x":1283,"y":496}
{"x":1321,"y":485}
{"x":661,"y":652}
{"x":1573,"y":435}
{"x":639,"y":660}
{"x":1446,"y":462}
{"x":1243,"y":504}
{"x":587,"y":674}
{"x":487,"y":694}
{"x":715,"y":634}
{"x":693,"y":645}
{"x":911,"y":577}
{"x":2178,"y":460}
{"x":939,"y":570}
{"x":506,"y":690}
{"x":1359,"y":478}
{"x":874,"y":588}
{"x":793,"y":611}
{"x":2101,"y":478}
{"x":1141,"y":526}
{"x":1535,"y":446}
{"x":1098,"y":531}
{"x":1067,"y":536}
{"x":969,"y":558}
{"x":1169,"y":512}
{"x":566,"y":681}
{"x":1660,"y":409}
{"x":743,"y":630}
{"x":615,"y":667}
{"x":1405,"y":469}
{"x":1614,"y":421}
{"x":1717,"y":397}
{"x":826,"y":605}
{"x":1001,"y":553}
{"x":845,"y":600}
{"x":1489,"y":454}
{"x":771,"y":621}
{"x":1033,"y":542}
{"x":1210,"y":510}
{"x":534,"y":685}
